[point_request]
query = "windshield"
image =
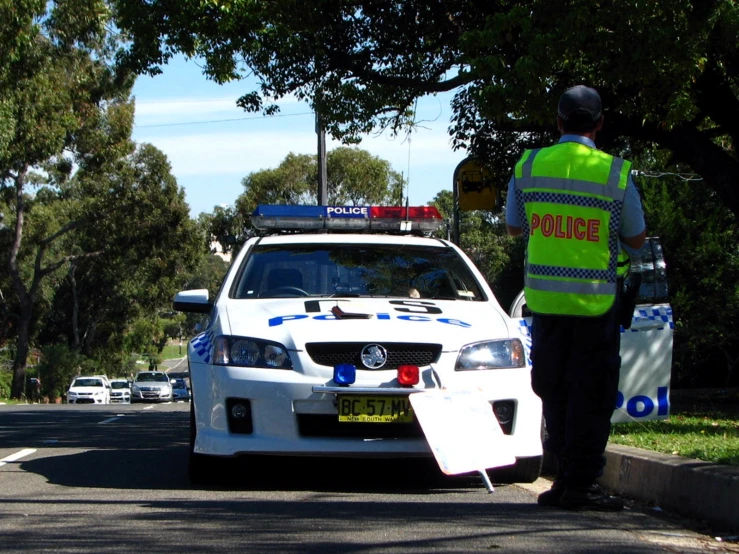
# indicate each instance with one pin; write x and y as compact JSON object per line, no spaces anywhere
{"x":373,"y":270}
{"x":119,"y":384}
{"x":152,"y":377}
{"x":87,"y":383}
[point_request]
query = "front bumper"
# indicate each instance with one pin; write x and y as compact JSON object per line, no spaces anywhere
{"x":291,"y":414}
{"x":120,"y":399}
{"x":151,"y":396}
{"x":85,"y":400}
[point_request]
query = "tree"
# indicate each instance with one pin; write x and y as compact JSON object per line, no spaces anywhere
{"x":60,"y":78}
{"x":134,"y":215}
{"x":699,"y":236}
{"x":484,"y":239}
{"x":667,"y":70}
{"x":354,"y":177}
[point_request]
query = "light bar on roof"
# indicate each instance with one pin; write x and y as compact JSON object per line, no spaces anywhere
{"x":418,"y":219}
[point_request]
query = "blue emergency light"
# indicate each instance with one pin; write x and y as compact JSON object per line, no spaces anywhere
{"x":415,"y":219}
{"x":345,"y":374}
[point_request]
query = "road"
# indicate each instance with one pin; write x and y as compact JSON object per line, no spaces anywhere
{"x":114,"y":479}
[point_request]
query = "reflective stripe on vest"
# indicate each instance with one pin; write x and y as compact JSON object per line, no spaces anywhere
{"x":570,"y":203}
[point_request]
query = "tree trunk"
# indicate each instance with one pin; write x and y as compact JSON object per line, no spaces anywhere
{"x":75,"y":308}
{"x":22,"y":348}
{"x":692,"y":147}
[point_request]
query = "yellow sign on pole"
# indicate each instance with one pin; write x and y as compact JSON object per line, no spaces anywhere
{"x":474,"y":184}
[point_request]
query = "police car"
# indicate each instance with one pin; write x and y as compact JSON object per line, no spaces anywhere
{"x":329,"y":320}
{"x":646,"y":345}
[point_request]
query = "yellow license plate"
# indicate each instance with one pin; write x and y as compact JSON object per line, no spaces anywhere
{"x":375,"y":409}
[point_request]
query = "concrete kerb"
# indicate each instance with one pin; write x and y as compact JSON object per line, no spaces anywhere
{"x":693,"y":488}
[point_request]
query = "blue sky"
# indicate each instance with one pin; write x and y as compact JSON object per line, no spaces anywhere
{"x":212,"y":144}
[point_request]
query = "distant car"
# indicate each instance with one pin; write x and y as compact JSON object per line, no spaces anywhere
{"x":88,"y":390}
{"x":151,"y":386}
{"x":120,"y":392}
{"x":180,"y":390}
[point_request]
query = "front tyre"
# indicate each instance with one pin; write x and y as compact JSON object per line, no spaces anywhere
{"x":201,"y":468}
{"x":525,"y":470}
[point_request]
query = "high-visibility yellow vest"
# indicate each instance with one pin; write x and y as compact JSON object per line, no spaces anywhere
{"x":570,"y":198}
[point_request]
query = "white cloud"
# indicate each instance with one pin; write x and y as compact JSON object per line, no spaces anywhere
{"x":181,"y":111}
{"x":207,"y":153}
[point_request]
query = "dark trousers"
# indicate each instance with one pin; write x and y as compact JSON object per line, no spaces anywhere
{"x":575,"y":371}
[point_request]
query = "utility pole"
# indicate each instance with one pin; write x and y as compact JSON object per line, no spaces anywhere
{"x":322,"y":173}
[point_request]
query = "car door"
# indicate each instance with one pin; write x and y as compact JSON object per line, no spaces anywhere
{"x":646,"y":348}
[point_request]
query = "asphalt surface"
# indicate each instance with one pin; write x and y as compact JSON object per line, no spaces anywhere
{"x":701,"y":491}
{"x":114,"y":479}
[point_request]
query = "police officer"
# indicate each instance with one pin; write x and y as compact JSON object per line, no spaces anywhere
{"x":575,"y":206}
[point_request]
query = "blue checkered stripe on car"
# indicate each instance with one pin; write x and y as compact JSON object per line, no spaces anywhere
{"x":655,"y":313}
{"x":203,"y":345}
{"x":524,"y":327}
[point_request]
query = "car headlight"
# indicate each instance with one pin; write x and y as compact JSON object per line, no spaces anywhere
{"x":135,"y":389}
{"x":494,"y":354}
{"x":249,"y":352}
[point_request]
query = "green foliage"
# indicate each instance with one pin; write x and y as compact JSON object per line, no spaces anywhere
{"x":60,"y":98}
{"x":667,"y":69}
{"x":699,"y":236}
{"x":354,"y":177}
{"x":484,"y":239}
{"x":6,"y":378}
{"x":59,"y":364}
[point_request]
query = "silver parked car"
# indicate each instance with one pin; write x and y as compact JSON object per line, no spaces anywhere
{"x":151,"y":386}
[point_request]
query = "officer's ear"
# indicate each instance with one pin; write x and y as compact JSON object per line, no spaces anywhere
{"x":599,"y":126}
{"x":560,"y":125}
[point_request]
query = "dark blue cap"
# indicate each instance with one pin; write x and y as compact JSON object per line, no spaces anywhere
{"x":580,"y":99}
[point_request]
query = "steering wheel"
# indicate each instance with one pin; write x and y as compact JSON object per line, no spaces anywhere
{"x":286,"y":289}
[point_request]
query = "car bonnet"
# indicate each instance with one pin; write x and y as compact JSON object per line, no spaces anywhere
{"x":295,"y":322}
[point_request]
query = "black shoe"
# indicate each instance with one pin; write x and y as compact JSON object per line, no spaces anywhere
{"x":551,"y":497}
{"x":589,"y":498}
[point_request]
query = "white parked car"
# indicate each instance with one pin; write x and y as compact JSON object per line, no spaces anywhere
{"x":151,"y":386}
{"x":316,"y":340}
{"x":89,"y":390}
{"x":120,"y":391}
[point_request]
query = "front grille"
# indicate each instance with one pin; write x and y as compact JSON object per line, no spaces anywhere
{"x":398,"y":353}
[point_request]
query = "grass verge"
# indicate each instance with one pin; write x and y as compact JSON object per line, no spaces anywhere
{"x":710,"y":436}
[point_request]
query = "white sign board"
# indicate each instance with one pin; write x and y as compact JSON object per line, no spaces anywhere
{"x":462,"y":431}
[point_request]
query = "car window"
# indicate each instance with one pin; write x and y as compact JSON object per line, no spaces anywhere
{"x":119,"y":384}
{"x":375,"y":270}
{"x":87,"y":383}
{"x":152,"y":377}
